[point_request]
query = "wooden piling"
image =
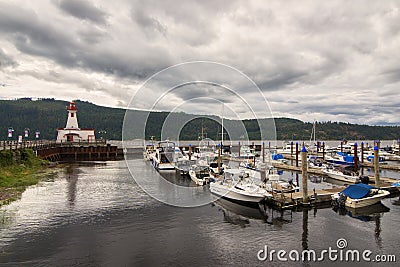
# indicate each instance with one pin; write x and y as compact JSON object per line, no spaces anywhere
{"x":291,"y":149}
{"x":304,"y":174}
{"x":355,"y":157}
{"x":239,"y":149}
{"x":190,"y":152}
{"x":376,"y":166}
{"x":263,"y":152}
{"x":297,"y":154}
{"x":362,"y":152}
{"x":323,"y":151}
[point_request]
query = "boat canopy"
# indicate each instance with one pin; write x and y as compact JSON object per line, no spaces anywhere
{"x":346,"y":157}
{"x":277,"y":156}
{"x":357,"y":191}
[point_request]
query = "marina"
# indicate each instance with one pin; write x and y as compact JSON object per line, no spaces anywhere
{"x":114,"y":218}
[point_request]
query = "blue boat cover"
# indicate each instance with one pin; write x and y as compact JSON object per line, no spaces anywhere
{"x":357,"y":191}
{"x":346,"y":157}
{"x":277,"y":156}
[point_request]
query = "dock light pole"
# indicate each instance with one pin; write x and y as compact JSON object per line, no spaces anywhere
{"x":355,"y":157}
{"x":26,"y":132}
{"x":376,"y":166}
{"x":297,"y":154}
{"x":304,"y":167}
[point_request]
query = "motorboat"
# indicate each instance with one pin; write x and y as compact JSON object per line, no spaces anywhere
{"x":343,"y":174}
{"x":164,"y":156}
{"x":149,"y":152}
{"x":359,"y":195}
{"x":340,"y":158}
{"x":237,"y":185}
{"x":183,"y":165}
{"x":200,"y":175}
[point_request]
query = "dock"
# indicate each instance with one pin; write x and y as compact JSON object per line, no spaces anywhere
{"x":97,"y":150}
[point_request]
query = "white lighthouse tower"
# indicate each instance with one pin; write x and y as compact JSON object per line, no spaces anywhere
{"x":72,"y":132}
{"x":72,"y":121}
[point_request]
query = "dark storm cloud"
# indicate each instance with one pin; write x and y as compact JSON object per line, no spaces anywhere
{"x":322,"y":59}
{"x":84,"y":10}
{"x":6,"y":60}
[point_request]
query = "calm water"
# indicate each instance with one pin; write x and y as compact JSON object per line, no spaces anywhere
{"x":96,"y":215}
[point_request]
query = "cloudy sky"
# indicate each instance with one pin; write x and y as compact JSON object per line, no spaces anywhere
{"x":323,"y":60}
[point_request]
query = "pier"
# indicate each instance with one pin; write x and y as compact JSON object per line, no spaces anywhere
{"x":97,"y":150}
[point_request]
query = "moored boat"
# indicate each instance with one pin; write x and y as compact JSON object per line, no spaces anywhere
{"x":359,"y":195}
{"x":237,"y":185}
{"x":200,"y":175}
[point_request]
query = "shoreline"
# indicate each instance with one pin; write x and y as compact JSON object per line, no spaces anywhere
{"x":18,"y":170}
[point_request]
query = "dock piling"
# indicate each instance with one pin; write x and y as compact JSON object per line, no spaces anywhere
{"x":355,"y":157}
{"x":263,"y":152}
{"x":376,"y":166}
{"x":362,"y":152}
{"x":304,"y":174}
{"x":297,"y":154}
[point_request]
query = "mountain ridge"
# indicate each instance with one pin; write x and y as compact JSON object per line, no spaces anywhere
{"x":48,"y":114}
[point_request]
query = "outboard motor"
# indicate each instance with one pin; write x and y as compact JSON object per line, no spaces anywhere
{"x":341,"y":200}
{"x":364,"y":179}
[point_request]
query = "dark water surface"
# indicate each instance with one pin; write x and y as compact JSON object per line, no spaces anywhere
{"x":91,"y":215}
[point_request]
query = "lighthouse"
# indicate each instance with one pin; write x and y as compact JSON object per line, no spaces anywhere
{"x":72,"y":132}
{"x":72,"y":121}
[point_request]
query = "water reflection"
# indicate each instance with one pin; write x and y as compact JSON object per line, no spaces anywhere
{"x":72,"y":180}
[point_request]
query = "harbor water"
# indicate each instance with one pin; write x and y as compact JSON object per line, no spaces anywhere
{"x":94,"y":214}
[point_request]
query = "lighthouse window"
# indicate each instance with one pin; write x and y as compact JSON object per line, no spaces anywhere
{"x":72,"y":115}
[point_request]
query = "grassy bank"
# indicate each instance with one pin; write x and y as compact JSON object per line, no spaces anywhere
{"x":18,"y":169}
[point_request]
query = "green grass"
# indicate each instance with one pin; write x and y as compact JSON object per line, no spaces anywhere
{"x":17,"y":171}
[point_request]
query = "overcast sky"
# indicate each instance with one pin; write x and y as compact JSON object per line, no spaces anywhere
{"x":323,"y":60}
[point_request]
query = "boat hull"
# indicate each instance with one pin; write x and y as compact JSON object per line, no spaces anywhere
{"x":234,"y":194}
{"x":341,"y":177}
{"x":364,"y":202}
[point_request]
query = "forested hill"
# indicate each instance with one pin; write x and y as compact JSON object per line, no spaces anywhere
{"x":46,"y":115}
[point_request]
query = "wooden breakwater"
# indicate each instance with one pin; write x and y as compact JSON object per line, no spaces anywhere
{"x":68,"y":151}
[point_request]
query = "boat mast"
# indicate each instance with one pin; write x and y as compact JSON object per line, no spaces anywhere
{"x":222,"y":123}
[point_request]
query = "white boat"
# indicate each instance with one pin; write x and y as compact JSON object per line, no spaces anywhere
{"x":183,"y":165}
{"x":247,"y":152}
{"x":360,"y":195}
{"x":164,"y":156}
{"x":200,"y":175}
{"x":149,"y":152}
{"x":237,"y":185}
{"x":342,"y":174}
{"x":271,"y":180}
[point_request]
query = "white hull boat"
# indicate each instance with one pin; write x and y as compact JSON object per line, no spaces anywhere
{"x":360,"y":195}
{"x":340,"y":176}
{"x":253,"y":195}
{"x":200,"y":175}
{"x":237,"y":185}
